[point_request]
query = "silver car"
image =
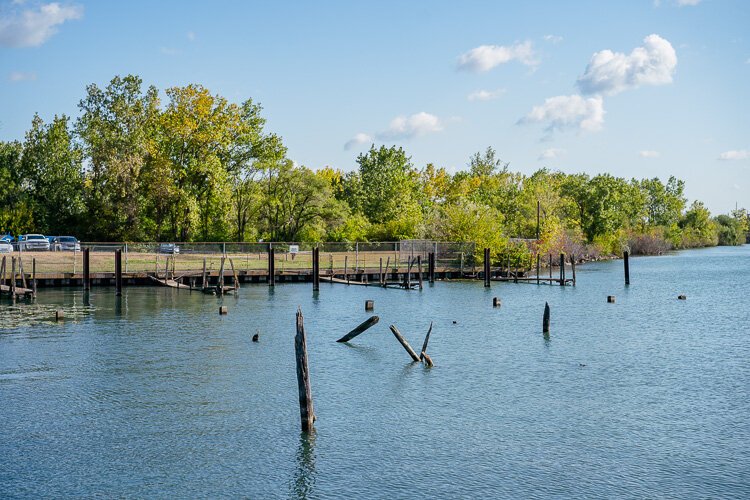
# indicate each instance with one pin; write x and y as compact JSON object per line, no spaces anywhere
{"x":5,"y":247}
{"x":66,"y":244}
{"x":30,"y":242}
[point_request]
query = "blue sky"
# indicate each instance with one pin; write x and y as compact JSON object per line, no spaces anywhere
{"x":637,"y":88}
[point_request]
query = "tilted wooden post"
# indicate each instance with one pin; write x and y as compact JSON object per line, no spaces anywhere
{"x":545,"y":319}
{"x":486,"y":267}
{"x":625,"y":257}
{"x":306,"y":409}
{"x":359,"y":329}
{"x":404,"y":343}
{"x":431,"y":267}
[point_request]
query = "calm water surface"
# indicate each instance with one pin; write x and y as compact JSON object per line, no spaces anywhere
{"x":156,"y":395}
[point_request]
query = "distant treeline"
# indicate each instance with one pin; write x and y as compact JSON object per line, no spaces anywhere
{"x":200,"y":168}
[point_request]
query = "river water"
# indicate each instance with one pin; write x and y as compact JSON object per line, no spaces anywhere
{"x":156,"y":395}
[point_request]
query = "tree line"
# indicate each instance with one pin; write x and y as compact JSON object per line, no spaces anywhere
{"x":200,"y":168}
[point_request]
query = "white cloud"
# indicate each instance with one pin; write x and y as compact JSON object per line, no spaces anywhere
{"x":33,"y":27}
{"x":612,"y":72}
{"x":486,"y":57}
{"x":551,"y":154}
{"x":357,"y":140}
{"x":741,"y":154}
{"x":20,"y":76}
{"x":407,"y":127}
{"x":553,"y":39}
{"x":485,"y":95}
{"x":683,"y":3}
{"x":649,"y":154}
{"x":565,"y":112}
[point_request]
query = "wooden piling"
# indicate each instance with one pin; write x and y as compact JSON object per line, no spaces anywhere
{"x":271,"y":266}
{"x":223,"y":310}
{"x":306,"y":408}
{"x":550,"y":269}
{"x":2,"y":271}
{"x":610,"y":299}
{"x":682,"y":297}
{"x":346,"y":268}
{"x":423,"y":354}
{"x":419,"y":271}
{"x":562,"y":269}
{"x":33,"y":277}
{"x":118,"y":272}
{"x":59,"y":315}
{"x":496,"y":302}
{"x":316,"y":269}
{"x":86,"y":270}
{"x":486,"y":267}
{"x":545,"y":319}
{"x":538,"y":268}
{"x":431,"y":267}
{"x":369,"y":305}
{"x":404,"y":343}
{"x":359,"y":329}
{"x":387,"y":268}
{"x":203,"y":276}
{"x":13,"y":278}
{"x":573,"y":267}
{"x":220,"y":286}
{"x":626,"y":256}
{"x":380,"y":275}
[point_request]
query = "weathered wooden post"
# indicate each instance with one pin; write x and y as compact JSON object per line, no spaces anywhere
{"x":610,"y":299}
{"x":625,"y":257}
{"x":86,"y":270}
{"x":545,"y":319}
{"x":306,"y":409}
{"x":486,"y":267}
{"x":538,"y":268}
{"x":562,"y":269}
{"x":496,"y":302}
{"x":271,"y":266}
{"x":59,"y":315}
{"x":419,"y":270}
{"x":223,"y":310}
{"x":387,"y":268}
{"x":404,"y":343}
{"x":359,"y":329}
{"x":33,"y":277}
{"x":316,"y":269}
{"x":423,"y":355}
{"x":431,"y":267}
{"x":118,"y":272}
{"x":13,"y":278}
{"x":550,"y":269}
{"x":380,"y":275}
{"x":573,"y":267}
{"x":346,"y":268}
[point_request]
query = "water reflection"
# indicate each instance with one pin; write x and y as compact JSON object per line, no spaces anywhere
{"x":305,"y":473}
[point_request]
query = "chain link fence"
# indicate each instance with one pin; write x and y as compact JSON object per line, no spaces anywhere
{"x":189,"y":258}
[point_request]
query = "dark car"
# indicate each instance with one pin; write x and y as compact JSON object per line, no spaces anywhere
{"x":65,"y":244}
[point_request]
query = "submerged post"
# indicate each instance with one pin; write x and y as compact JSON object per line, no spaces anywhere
{"x":359,"y":329}
{"x":306,"y":410}
{"x":86,"y":270}
{"x":625,"y":257}
{"x":271,"y":266}
{"x":118,"y":272}
{"x":316,"y":269}
{"x":486,"y":267}
{"x":404,"y":343}
{"x":545,"y":319}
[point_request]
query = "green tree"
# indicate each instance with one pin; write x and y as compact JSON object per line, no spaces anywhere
{"x":16,"y":216}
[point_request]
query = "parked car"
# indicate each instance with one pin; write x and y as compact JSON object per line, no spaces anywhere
{"x":8,"y":238}
{"x":169,"y":248}
{"x":65,"y":244}
{"x":5,"y":247}
{"x":28,"y":242}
